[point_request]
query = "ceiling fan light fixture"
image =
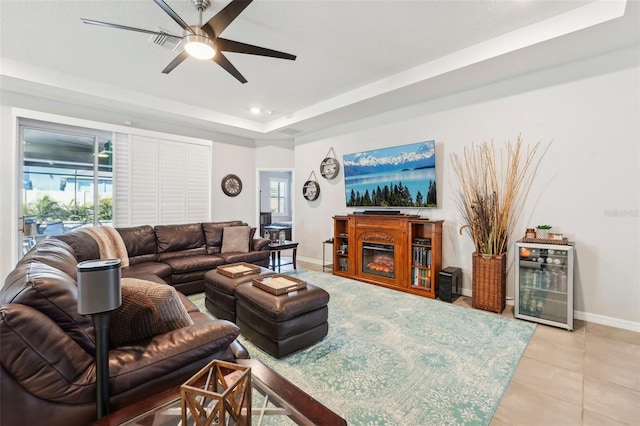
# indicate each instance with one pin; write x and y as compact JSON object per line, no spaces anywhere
{"x":201,"y":41}
{"x":199,"y":45}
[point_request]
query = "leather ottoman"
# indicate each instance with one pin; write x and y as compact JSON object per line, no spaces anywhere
{"x":219,"y":292}
{"x":281,"y":325}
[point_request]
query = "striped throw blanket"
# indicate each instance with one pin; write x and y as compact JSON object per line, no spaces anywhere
{"x":109,"y":242}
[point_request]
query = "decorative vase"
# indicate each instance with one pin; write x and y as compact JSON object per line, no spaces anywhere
{"x":542,"y":234}
{"x":488,"y":286}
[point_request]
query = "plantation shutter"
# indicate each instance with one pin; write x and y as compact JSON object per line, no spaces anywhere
{"x":121,"y":179}
{"x":278,"y":195}
{"x":160,"y":181}
{"x":198,"y":188}
{"x":173,"y":182}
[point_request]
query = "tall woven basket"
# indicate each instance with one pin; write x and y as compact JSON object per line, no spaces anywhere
{"x":489,"y":277}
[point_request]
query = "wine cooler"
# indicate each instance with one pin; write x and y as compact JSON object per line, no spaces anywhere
{"x":544,"y":283}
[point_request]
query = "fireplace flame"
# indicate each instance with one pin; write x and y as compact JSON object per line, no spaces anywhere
{"x":381,"y":263}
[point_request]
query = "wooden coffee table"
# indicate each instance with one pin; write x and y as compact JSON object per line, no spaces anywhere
{"x":285,"y":399}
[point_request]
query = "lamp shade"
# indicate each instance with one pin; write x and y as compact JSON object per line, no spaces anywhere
{"x":99,"y":286}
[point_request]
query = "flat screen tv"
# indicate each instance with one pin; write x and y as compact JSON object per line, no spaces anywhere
{"x":399,"y":176}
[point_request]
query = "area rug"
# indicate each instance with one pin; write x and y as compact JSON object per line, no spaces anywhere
{"x":393,"y":358}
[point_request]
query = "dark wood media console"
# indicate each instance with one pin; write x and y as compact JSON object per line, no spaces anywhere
{"x":402,"y":252}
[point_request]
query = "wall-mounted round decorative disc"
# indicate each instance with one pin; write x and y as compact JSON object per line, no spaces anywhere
{"x":329,"y":168}
{"x":311,"y":190}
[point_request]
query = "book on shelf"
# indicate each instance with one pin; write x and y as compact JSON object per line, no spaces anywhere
{"x":421,"y":256}
{"x":421,"y":277}
{"x":423,"y":241}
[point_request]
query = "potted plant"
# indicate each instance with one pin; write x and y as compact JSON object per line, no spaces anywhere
{"x":542,"y":232}
{"x":494,"y":184}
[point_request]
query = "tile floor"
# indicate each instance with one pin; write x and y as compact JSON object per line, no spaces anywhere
{"x":590,"y":376}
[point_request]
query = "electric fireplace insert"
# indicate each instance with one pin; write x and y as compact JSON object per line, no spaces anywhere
{"x":378,"y":259}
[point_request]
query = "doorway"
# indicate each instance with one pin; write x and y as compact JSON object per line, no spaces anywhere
{"x":67,"y":179}
{"x":275,"y":203}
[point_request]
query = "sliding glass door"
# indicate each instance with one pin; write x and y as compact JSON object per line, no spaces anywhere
{"x":67,"y":179}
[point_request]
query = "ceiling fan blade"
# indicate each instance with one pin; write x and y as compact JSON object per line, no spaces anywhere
{"x":226,"y":16}
{"x":176,"y":61}
{"x":173,"y":15}
{"x":124,"y":27}
{"x":222,"y":60}
{"x":235,"y":46}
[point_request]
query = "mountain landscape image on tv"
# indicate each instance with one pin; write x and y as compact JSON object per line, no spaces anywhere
{"x":399,"y":176}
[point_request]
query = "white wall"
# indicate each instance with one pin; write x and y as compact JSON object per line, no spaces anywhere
{"x":587,"y":187}
{"x":274,"y":154}
{"x":237,"y":160}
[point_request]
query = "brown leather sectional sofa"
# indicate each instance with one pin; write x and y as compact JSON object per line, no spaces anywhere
{"x":47,"y":373}
{"x":179,"y":255}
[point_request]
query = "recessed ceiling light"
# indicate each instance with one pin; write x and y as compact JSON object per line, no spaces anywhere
{"x":255,"y":110}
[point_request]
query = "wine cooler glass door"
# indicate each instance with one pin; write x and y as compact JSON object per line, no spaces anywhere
{"x":544,"y":284}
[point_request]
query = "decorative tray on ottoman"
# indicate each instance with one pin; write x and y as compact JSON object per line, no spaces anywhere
{"x":235,"y":270}
{"x":279,"y":284}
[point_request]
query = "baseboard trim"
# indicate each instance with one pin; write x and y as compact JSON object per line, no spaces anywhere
{"x":313,"y":261}
{"x":610,"y":321}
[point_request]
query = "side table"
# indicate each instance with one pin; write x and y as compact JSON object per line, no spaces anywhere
{"x":324,"y":245}
{"x":277,"y":247}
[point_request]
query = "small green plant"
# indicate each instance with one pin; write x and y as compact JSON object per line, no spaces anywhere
{"x":543,"y":227}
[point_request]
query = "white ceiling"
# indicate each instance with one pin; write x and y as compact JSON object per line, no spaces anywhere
{"x":355,"y":58}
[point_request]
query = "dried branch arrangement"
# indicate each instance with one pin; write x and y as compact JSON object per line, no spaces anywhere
{"x":494,"y":184}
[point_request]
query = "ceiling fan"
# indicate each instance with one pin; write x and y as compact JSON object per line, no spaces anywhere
{"x":203,"y":41}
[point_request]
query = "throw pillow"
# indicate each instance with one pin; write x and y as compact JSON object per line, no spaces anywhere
{"x":148,"y":309}
{"x":235,"y":239}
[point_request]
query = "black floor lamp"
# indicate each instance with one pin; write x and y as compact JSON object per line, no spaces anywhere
{"x":99,"y":293}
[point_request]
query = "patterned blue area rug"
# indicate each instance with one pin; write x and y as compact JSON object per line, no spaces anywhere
{"x":392,"y":358}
